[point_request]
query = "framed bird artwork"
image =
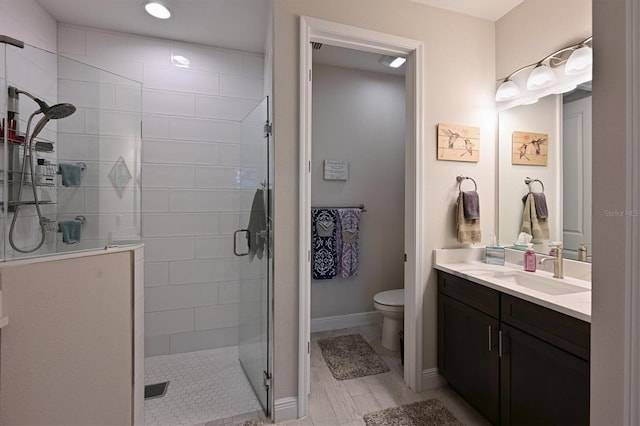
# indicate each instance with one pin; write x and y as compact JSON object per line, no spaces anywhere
{"x":529,"y":148}
{"x":458,"y":143}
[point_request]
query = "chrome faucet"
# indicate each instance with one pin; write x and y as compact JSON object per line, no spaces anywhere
{"x":557,"y":259}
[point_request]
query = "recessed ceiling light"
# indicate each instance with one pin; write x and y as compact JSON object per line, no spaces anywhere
{"x":180,"y":61}
{"x":397,"y":62}
{"x":157,"y":10}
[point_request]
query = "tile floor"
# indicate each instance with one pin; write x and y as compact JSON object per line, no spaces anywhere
{"x":205,"y":386}
{"x":334,"y":402}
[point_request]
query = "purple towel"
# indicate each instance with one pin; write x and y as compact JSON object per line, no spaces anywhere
{"x":350,"y":247}
{"x":471,"y":205}
{"x":540,"y":200}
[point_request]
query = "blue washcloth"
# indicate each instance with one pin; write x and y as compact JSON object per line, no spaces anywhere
{"x":70,"y":231}
{"x":71,"y":174}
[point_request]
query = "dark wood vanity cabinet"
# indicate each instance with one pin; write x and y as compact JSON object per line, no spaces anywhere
{"x":515,"y":362}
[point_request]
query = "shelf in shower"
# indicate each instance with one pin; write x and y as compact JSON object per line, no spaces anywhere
{"x":25,"y":203}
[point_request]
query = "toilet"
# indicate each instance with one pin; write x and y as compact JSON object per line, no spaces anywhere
{"x":390,"y":304}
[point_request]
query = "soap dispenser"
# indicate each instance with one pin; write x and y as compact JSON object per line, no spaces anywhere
{"x":530,"y":259}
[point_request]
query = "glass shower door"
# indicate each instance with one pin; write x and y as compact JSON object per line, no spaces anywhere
{"x":252,"y":246}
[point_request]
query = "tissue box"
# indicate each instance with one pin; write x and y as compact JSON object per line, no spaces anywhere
{"x":494,"y":255}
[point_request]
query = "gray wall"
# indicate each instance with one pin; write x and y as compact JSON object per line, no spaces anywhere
{"x":359,"y":116}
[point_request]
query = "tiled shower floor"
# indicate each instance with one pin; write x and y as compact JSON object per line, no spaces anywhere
{"x":205,"y":385}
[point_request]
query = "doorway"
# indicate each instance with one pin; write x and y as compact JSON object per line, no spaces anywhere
{"x":329,"y":33}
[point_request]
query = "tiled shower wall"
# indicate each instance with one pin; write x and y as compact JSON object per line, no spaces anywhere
{"x":192,"y":198}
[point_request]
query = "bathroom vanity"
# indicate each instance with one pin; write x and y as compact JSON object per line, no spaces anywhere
{"x":517,"y":355}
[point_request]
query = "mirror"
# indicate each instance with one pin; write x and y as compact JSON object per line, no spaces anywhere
{"x":566,"y":121}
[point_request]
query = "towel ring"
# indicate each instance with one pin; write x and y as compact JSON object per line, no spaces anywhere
{"x":461,"y":178}
{"x":530,"y":182}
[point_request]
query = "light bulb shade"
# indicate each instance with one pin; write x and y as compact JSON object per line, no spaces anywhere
{"x":507,"y":90}
{"x":579,"y":61}
{"x":157,"y":10}
{"x":541,"y":76}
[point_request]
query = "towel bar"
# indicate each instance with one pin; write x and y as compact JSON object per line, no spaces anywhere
{"x":461,"y":178}
{"x":82,"y":166}
{"x":530,"y":182}
{"x":81,"y":219}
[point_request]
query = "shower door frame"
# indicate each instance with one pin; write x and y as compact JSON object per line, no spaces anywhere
{"x":331,"y":33}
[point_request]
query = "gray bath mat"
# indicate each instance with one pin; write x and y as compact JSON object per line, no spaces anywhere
{"x":423,"y":413}
{"x":349,"y":357}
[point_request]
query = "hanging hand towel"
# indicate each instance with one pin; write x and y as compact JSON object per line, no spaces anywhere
{"x":325,"y":258}
{"x":471,"y":205}
{"x":531,"y":224}
{"x":468,"y":230}
{"x":71,"y":230}
{"x":350,"y":225}
{"x":71,"y":174}
{"x":540,"y":200}
{"x":257,"y":226}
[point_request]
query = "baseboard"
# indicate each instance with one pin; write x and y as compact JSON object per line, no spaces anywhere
{"x":345,"y":321}
{"x":431,"y":379}
{"x":285,"y":409}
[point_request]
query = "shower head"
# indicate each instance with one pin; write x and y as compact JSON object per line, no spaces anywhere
{"x":54,"y":112}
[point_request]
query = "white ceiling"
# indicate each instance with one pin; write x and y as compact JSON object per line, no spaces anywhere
{"x":234,"y":24}
{"x":348,"y":58}
{"x":491,"y":10}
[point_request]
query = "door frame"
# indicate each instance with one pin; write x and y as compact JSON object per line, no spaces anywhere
{"x":331,"y":33}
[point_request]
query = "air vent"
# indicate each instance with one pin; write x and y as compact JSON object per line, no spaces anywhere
{"x":157,"y":390}
{"x":315,"y":45}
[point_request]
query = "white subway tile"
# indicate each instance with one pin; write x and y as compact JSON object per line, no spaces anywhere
{"x":214,"y":247}
{"x":168,"y":103}
{"x":181,"y":80}
{"x":223,"y":108}
{"x":169,"y":249}
{"x":168,"y":322}
{"x":96,"y":68}
{"x":168,"y":176}
{"x":179,"y":297}
{"x":220,"y":316}
{"x":107,"y":200}
{"x":237,"y":291}
{"x":180,"y":152}
{"x":87,"y":95}
{"x":121,"y":47}
{"x":253,"y":65}
{"x":196,"y":129}
{"x":203,"y":271}
{"x":204,"y":201}
{"x":203,"y":340}
{"x":157,"y":345}
{"x":229,"y":222}
{"x":70,"y":200}
{"x":74,"y":123}
{"x":71,"y":40}
{"x":209,"y":58}
{"x":111,"y":123}
{"x":155,"y":127}
{"x":229,"y":155}
{"x":179,"y":224}
{"x":241,"y":87}
{"x":156,"y":274}
{"x":155,"y":200}
{"x":220,"y":177}
{"x":80,"y":147}
{"x":129,"y":99}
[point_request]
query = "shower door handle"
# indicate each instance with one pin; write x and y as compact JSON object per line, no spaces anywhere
{"x":235,"y":242}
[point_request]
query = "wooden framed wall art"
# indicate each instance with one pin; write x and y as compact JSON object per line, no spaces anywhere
{"x":529,"y":148}
{"x":458,"y":143}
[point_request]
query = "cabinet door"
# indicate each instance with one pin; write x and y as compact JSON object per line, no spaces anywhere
{"x":541,"y":384}
{"x":468,"y":355}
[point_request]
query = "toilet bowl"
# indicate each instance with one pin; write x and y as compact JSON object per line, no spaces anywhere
{"x":390,"y":304}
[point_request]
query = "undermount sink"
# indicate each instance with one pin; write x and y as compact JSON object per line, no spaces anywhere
{"x":550,"y":286}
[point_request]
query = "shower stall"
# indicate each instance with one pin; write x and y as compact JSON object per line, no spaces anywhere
{"x":70,"y":161}
{"x":71,"y":172}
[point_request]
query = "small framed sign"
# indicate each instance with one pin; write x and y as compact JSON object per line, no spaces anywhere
{"x":336,"y":170}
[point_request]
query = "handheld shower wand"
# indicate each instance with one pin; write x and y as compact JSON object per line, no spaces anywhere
{"x":54,"y":112}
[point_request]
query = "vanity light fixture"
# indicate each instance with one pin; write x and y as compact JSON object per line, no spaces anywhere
{"x":579,"y":61}
{"x":576,"y":60}
{"x":157,"y":10}
{"x":541,"y":76}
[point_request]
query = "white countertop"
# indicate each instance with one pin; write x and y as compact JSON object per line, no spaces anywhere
{"x":467,"y":266}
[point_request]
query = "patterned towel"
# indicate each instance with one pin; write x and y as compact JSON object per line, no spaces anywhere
{"x":325,"y":256}
{"x":349,"y":224}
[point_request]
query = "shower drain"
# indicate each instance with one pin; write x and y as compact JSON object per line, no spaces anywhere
{"x":156,"y":390}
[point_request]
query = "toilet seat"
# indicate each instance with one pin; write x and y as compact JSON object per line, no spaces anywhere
{"x":390,"y":298}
